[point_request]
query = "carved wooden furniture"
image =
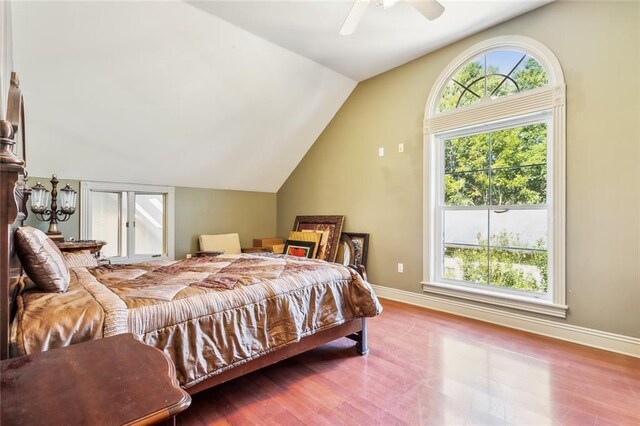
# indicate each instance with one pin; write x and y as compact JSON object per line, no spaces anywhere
{"x":117,"y":380}
{"x":94,"y":246}
{"x":13,"y":199}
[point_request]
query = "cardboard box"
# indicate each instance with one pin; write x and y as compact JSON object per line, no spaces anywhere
{"x":267,"y":242}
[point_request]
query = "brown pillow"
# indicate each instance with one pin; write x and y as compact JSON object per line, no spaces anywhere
{"x":42,"y":260}
{"x":73,"y":259}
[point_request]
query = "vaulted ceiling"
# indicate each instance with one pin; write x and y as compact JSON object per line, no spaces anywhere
{"x":384,"y":39}
{"x":205,"y":94}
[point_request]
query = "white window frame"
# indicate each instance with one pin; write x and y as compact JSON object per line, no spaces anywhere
{"x":545,"y":104}
{"x":86,"y":187}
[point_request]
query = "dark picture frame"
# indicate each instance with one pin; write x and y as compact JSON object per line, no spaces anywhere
{"x":360,"y":243}
{"x":299,"y":248}
{"x":331,"y":229}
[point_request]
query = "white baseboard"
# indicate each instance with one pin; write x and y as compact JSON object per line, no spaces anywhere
{"x":585,"y":336}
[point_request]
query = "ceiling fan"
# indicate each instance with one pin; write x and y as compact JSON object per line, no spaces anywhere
{"x":431,"y":10}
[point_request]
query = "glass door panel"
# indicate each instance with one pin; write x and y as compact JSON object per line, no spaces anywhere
{"x":108,"y":221}
{"x":149,"y":224}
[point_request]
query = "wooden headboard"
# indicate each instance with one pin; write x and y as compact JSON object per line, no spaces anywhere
{"x":13,"y":199}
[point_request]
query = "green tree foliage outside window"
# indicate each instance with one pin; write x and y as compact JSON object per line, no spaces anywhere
{"x":517,"y":269}
{"x":507,"y":167}
{"x":483,"y":77}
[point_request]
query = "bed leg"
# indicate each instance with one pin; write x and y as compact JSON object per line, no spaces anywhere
{"x":363,"y":345}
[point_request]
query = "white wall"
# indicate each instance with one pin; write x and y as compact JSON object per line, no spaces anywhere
{"x":164,"y":93}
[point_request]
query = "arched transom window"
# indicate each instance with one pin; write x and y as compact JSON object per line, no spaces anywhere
{"x":494,"y":178}
{"x":492,"y":75}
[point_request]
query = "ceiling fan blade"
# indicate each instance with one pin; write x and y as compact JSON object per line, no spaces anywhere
{"x":353,"y":18}
{"x":431,"y":9}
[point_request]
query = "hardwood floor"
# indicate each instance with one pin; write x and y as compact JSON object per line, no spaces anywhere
{"x":427,"y":367}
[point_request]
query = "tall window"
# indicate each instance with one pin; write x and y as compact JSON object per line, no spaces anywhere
{"x":494,"y":188}
{"x":136,"y":221}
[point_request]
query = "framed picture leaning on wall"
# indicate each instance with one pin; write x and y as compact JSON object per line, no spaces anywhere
{"x":360,"y":243}
{"x":329,"y":226}
{"x":299,"y":248}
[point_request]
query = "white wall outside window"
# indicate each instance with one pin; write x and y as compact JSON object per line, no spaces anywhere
{"x":137,"y":221}
{"x":545,"y":105}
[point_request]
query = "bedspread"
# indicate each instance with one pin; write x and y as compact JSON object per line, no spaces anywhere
{"x":208,"y":314}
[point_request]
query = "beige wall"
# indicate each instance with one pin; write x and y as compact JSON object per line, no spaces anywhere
{"x":199,"y":211}
{"x":216,"y":211}
{"x":597,"y":46}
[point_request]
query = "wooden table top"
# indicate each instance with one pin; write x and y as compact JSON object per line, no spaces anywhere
{"x":117,"y":380}
{"x":80,"y":244}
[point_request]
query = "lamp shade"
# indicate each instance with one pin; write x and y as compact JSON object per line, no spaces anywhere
{"x":68,"y":200}
{"x":39,"y":198}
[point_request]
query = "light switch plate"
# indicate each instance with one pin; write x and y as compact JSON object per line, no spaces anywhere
{"x":381,"y":152}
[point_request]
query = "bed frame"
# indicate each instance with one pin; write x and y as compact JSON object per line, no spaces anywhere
{"x":14,"y":194}
{"x":13,"y":197}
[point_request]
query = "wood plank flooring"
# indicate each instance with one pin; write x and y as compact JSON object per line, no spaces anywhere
{"x":432,"y":368}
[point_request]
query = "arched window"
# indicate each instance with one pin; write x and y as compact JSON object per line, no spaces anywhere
{"x":492,"y":75}
{"x":494,"y":178}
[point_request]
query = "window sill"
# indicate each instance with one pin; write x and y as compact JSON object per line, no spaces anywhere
{"x":539,"y":306}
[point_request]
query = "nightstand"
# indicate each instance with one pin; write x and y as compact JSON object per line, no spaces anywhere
{"x":112,"y":381}
{"x":94,"y":246}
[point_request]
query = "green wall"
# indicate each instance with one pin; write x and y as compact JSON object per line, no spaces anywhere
{"x":597,"y":46}
{"x":197,"y":211}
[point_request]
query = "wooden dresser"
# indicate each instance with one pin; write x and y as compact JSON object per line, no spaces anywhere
{"x":112,"y":381}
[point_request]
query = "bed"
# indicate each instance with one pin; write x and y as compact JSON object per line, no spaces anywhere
{"x":209,"y":314}
{"x":217,"y":318}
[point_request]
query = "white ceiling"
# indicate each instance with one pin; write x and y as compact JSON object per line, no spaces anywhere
{"x":226,"y":95}
{"x":164,"y":93}
{"x":384,"y":39}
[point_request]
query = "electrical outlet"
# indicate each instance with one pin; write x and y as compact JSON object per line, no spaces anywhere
{"x":400,"y":268}
{"x":400,"y":147}
{"x":381,"y":152}
{"x":188,"y":256}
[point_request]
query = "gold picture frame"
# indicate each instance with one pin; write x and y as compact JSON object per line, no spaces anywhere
{"x":329,"y":226}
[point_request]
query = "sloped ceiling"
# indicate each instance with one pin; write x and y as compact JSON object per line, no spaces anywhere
{"x":165,"y":93}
